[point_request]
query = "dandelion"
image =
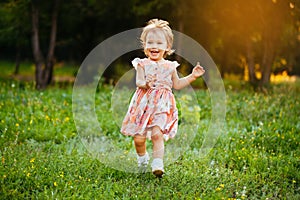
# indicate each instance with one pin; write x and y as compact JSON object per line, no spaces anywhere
{"x":47,"y":117}
{"x":67,"y":119}
{"x":55,"y":184}
{"x":17,"y":125}
{"x":65,"y":103}
{"x":30,"y":122}
{"x":28,"y":174}
{"x":32,"y":160}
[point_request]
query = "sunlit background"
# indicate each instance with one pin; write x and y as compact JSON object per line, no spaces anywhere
{"x":45,"y":124}
{"x":256,"y":41}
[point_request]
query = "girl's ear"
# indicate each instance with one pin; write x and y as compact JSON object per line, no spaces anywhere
{"x":168,"y":48}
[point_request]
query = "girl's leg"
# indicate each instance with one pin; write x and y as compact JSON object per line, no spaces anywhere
{"x":140,"y":144}
{"x":158,"y":143}
{"x":142,"y":155}
{"x":158,"y":152}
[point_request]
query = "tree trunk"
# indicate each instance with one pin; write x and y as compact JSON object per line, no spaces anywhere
{"x":267,"y":62}
{"x":43,"y":70}
{"x":179,"y":40}
{"x":52,"y":44}
{"x":37,"y":53}
{"x":18,"y":57}
{"x":251,"y":64}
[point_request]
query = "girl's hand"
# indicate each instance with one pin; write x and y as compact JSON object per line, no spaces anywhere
{"x":150,"y":80}
{"x":198,"y":70}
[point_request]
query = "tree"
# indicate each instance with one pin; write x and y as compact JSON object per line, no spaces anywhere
{"x":254,"y":30}
{"x":14,"y":30}
{"x":43,"y":67}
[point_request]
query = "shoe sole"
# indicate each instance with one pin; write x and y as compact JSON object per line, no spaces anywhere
{"x":158,"y":173}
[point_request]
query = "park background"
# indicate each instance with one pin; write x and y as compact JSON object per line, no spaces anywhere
{"x":255,"y":45}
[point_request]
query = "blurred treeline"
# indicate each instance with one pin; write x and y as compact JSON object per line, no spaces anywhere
{"x":243,"y":37}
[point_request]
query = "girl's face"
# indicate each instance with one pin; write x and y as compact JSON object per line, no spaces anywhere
{"x":156,"y":45}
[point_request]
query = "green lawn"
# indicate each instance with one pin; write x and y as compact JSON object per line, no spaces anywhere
{"x":27,"y":68}
{"x":257,"y":157}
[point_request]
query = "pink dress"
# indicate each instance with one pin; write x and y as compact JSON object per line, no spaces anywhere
{"x":155,"y":106}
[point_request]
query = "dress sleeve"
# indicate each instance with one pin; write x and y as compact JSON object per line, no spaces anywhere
{"x":176,"y":64}
{"x":135,"y":62}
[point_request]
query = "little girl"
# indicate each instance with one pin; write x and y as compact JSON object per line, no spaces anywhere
{"x":152,"y":111}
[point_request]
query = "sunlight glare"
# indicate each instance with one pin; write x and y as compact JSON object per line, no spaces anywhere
{"x":283,"y":77}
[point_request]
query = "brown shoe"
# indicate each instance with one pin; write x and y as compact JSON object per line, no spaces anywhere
{"x":157,"y":167}
{"x":158,"y":173}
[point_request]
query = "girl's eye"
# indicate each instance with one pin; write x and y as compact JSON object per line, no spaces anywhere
{"x":159,"y":43}
{"x":150,"y":42}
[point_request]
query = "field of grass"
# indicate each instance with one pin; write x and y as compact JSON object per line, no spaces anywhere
{"x":42,"y":156}
{"x":27,"y":69}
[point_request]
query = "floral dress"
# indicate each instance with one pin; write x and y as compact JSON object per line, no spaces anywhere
{"x":154,"y":106}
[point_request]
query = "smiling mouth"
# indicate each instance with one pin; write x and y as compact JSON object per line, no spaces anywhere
{"x":154,"y":52}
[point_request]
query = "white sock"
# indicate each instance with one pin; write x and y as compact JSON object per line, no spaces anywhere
{"x":143,"y":160}
{"x":157,"y":164}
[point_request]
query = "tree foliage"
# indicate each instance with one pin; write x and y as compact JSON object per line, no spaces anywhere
{"x":257,"y":37}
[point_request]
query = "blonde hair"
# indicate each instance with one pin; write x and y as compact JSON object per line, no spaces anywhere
{"x":161,"y":25}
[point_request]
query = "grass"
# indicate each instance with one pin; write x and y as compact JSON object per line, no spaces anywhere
{"x":42,"y":156}
{"x":27,"y":68}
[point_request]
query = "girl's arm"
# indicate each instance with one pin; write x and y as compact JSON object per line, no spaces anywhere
{"x":179,"y":83}
{"x":140,"y":77}
{"x":141,"y":80}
